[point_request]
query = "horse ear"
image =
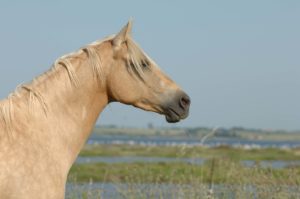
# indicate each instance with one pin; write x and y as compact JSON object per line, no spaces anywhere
{"x":122,"y":36}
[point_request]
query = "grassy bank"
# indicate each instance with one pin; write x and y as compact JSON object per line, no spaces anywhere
{"x":194,"y":152}
{"x":219,"y":171}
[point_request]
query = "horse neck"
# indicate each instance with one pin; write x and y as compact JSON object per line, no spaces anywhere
{"x":71,"y":111}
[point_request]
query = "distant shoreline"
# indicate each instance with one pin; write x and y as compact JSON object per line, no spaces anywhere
{"x":200,"y":132}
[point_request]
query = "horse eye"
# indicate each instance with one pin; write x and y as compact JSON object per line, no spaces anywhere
{"x":145,"y":63}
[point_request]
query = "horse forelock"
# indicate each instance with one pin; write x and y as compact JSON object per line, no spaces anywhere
{"x":136,"y":57}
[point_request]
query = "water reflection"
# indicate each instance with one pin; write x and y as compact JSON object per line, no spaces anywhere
{"x":276,"y":164}
{"x":171,"y":141}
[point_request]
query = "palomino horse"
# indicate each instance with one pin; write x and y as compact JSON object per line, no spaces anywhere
{"x":45,"y":123}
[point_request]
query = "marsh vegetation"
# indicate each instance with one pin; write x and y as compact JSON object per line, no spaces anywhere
{"x":222,"y":175}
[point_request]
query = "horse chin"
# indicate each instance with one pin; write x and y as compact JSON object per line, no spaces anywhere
{"x":172,"y":117}
{"x":172,"y":120}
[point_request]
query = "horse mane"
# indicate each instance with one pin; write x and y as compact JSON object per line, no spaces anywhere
{"x":6,"y":110}
{"x":136,"y":57}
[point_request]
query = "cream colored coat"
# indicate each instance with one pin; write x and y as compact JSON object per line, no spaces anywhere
{"x":44,"y":124}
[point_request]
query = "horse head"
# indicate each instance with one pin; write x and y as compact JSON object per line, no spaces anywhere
{"x":135,"y":79}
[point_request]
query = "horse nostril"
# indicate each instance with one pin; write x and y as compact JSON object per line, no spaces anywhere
{"x":185,"y":102}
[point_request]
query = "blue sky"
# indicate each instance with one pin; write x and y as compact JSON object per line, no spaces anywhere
{"x":238,"y":60}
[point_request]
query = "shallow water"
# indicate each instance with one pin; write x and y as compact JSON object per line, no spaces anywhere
{"x":131,"y":159}
{"x":171,"y":141}
{"x":276,"y":164}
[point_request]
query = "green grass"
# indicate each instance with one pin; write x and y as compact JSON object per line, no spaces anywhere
{"x":224,"y":172}
{"x":191,"y":152}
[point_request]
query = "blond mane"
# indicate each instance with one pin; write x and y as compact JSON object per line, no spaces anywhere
{"x":6,"y":111}
{"x":135,"y":61}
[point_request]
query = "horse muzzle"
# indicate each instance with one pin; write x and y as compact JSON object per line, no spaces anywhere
{"x":178,"y":108}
